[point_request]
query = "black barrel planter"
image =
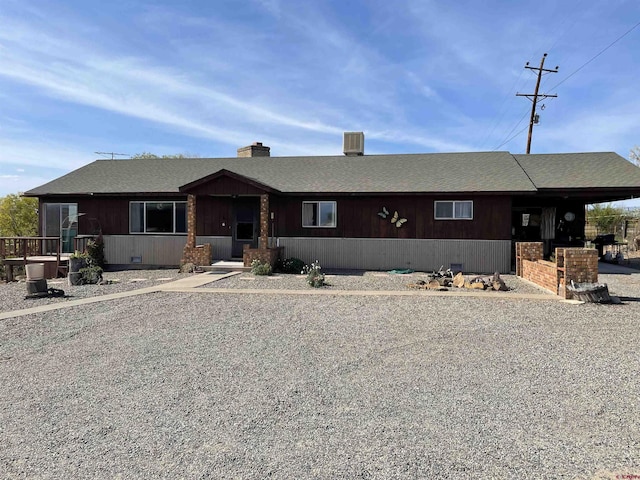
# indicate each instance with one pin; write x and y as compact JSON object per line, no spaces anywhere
{"x":590,"y":292}
{"x":75,"y":265}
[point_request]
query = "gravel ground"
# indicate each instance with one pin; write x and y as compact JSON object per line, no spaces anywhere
{"x":173,"y":385}
{"x":349,"y":281}
{"x":12,"y":295}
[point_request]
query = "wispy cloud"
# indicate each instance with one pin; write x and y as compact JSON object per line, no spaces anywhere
{"x":414,"y":75}
{"x":18,"y":153}
{"x":132,"y":87}
{"x":138,"y":88}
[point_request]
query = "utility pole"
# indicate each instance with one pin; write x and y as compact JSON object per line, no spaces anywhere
{"x":113,"y":154}
{"x":535,"y":95}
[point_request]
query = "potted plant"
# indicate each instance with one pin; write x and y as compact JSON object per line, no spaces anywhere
{"x":77,"y":261}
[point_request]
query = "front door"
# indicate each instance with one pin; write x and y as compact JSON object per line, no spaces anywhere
{"x":245,"y":231}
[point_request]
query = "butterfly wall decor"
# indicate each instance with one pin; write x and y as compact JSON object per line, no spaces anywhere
{"x":395,"y":219}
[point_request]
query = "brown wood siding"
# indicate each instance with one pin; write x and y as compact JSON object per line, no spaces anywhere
{"x":225,"y":185}
{"x":112,"y":213}
{"x":358,"y":218}
{"x":211,"y":214}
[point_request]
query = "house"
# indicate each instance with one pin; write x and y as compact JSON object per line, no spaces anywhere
{"x":419,"y":211}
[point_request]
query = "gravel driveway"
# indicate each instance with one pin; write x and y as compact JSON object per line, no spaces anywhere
{"x":201,"y":385}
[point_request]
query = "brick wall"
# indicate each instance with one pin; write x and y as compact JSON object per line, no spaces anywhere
{"x":531,"y":251}
{"x":265,"y":255}
{"x":579,"y":265}
{"x":542,"y":273}
{"x":198,"y":254}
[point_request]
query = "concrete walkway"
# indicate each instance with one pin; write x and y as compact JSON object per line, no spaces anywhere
{"x":615,"y":269}
{"x":189,"y":284}
{"x":194,"y":283}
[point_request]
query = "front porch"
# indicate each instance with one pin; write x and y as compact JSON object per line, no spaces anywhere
{"x":249,"y":225}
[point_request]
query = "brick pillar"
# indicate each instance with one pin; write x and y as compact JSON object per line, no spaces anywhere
{"x":531,"y":251}
{"x":264,"y":221}
{"x":192,"y":253}
{"x":191,"y":221}
{"x":580,"y":266}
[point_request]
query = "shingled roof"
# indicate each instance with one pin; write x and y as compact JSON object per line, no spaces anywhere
{"x":491,"y":172}
{"x":579,"y":170}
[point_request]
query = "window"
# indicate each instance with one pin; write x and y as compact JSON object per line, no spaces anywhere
{"x":61,"y":220}
{"x":319,"y":214}
{"x":158,"y":217}
{"x":454,"y":210}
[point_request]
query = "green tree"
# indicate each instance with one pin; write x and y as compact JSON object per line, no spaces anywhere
{"x":153,"y":155}
{"x":18,"y":216}
{"x":605,"y":217}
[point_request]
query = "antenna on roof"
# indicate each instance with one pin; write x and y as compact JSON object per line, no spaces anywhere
{"x":113,"y":154}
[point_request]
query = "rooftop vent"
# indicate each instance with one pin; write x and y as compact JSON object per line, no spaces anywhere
{"x":353,"y":143}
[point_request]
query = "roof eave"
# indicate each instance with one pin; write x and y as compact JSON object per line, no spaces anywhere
{"x":226,"y":173}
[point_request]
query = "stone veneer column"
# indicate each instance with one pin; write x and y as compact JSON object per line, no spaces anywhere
{"x":192,"y":253}
{"x":191,"y":221}
{"x":264,"y":221}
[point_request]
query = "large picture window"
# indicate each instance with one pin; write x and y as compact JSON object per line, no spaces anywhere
{"x":453,"y":210}
{"x":319,"y":214}
{"x":158,"y":217}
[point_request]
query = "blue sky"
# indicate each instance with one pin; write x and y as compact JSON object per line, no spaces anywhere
{"x":206,"y":77}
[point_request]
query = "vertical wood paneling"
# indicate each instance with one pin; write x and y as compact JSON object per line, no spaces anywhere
{"x":214,"y":216}
{"x":358,"y":218}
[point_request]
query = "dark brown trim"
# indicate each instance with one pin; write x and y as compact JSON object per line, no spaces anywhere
{"x":402,"y":194}
{"x":225,"y":173}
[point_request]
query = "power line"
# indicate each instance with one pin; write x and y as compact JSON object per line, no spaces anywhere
{"x":598,"y":54}
{"x":564,"y":31}
{"x":511,"y":131}
{"x":534,"y":96}
{"x":508,"y":140}
{"x":501,"y":111}
{"x":576,"y":8}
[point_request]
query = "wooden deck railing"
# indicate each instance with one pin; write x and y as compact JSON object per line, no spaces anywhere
{"x":16,"y":251}
{"x":23,"y":247}
{"x":80,"y":242}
